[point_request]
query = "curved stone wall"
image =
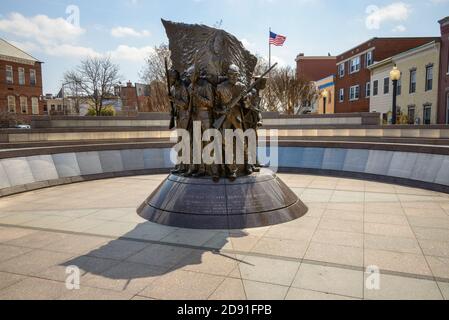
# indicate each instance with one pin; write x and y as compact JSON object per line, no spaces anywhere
{"x":26,"y":173}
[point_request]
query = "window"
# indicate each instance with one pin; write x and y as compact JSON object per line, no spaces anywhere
{"x":35,"y":105}
{"x":9,"y":75}
{"x":354,"y":93}
{"x":386,"y":85}
{"x":355,"y":65}
{"x":375,"y":87}
{"x":399,"y":88}
{"x":369,"y":58}
{"x":341,"y":69}
{"x":427,"y":114}
{"x":368,"y":90}
{"x":429,"y":77}
{"x":32,"y":77}
{"x":411,"y":115}
{"x":21,"y":76}
{"x":12,"y":104}
{"x":413,"y":81}
{"x":342,"y":95}
{"x":53,"y":107}
{"x":24,"y":105}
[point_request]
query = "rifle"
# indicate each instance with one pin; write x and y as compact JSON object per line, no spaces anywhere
{"x":190,"y":123}
{"x":172,"y":105}
{"x":219,"y":122}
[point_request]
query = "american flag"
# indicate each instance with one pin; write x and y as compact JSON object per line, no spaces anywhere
{"x":277,"y":39}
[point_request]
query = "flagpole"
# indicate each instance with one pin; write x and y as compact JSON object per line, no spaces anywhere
{"x":269,"y":50}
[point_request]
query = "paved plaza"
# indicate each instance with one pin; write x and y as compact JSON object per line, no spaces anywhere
{"x":351,"y":225}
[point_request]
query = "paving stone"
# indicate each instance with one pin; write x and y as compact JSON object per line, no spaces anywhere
{"x":350,"y":256}
{"x":230,"y":289}
{"x":301,"y":294}
{"x":34,"y":289}
{"x":268,"y":270}
{"x":397,"y":262}
{"x":330,"y":280}
{"x":189,"y":285}
{"x":404,"y":288}
{"x":8,"y":279}
{"x":264,"y":291}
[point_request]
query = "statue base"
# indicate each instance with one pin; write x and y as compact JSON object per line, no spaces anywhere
{"x":258,"y":200}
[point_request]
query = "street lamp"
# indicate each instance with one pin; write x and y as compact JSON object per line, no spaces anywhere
{"x":395,"y":76}
{"x":325,"y":96}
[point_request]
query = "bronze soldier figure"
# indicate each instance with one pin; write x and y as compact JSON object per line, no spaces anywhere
{"x":179,"y":96}
{"x":202,"y":95}
{"x":227,"y":91}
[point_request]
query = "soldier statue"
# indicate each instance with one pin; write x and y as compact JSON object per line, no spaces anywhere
{"x":202,"y":96}
{"x":179,"y":96}
{"x":227,"y":91}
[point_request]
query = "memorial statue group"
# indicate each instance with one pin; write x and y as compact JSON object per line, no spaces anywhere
{"x":220,"y":103}
{"x":212,"y":82}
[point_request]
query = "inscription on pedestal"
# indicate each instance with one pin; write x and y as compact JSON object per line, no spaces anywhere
{"x":257,"y":201}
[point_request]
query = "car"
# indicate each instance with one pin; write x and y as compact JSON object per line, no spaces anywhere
{"x":23,"y":126}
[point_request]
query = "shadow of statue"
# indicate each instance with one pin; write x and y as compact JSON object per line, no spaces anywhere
{"x":132,"y":256}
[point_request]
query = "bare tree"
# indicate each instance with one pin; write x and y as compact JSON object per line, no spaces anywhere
{"x":285,"y":92}
{"x":292,"y":93}
{"x":72,"y":92}
{"x":154,"y":74}
{"x":95,"y":78}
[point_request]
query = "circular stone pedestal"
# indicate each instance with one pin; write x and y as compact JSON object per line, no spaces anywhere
{"x":259,"y":200}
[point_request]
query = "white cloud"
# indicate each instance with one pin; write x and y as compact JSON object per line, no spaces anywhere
{"x":399,"y":28}
{"x":376,"y":16}
{"x":124,"y":52}
{"x":247,"y":44}
{"x":40,"y":28}
{"x":122,"y":32}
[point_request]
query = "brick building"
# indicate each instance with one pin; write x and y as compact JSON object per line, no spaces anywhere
{"x":443,"y":101}
{"x":20,"y":81}
{"x":353,"y":76}
{"x":315,"y":68}
{"x":128,"y":95}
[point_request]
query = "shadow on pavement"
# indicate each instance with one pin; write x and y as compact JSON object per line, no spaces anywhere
{"x":128,"y":258}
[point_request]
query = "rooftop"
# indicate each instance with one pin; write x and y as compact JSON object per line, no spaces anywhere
{"x":11,"y":51}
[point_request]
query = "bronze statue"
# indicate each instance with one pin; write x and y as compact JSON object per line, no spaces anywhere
{"x":219,"y":94}
{"x":213,"y":89}
{"x":179,"y":98}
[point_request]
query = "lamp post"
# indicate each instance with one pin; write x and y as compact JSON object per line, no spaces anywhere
{"x":325,"y":96}
{"x":395,"y":76}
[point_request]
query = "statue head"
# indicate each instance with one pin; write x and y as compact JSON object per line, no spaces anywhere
{"x":262,"y":83}
{"x":233,"y":73}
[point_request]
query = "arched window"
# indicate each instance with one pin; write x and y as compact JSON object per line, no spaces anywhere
{"x":11,"y":104}
{"x":24,"y":105}
{"x":35,"y":105}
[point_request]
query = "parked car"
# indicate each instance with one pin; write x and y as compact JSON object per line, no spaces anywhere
{"x":23,"y":126}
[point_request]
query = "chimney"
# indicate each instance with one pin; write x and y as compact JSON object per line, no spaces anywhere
{"x":129,"y":84}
